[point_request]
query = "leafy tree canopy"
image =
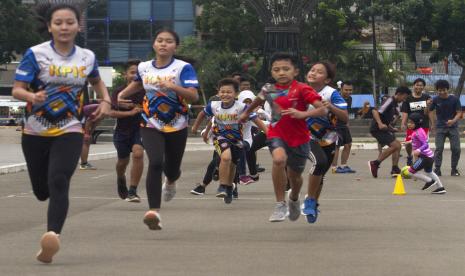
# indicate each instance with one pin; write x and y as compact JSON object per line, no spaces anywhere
{"x":17,"y":29}
{"x":233,"y":25}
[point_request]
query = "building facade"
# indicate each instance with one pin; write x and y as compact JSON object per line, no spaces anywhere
{"x":120,"y":29}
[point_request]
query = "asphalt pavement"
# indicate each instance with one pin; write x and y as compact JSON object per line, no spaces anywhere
{"x":362,"y":229}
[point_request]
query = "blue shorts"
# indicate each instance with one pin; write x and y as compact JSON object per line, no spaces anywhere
{"x":124,"y":142}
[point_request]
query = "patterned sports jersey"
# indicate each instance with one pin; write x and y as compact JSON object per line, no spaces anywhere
{"x":295,"y":95}
{"x":164,"y":109}
{"x":323,"y":129}
{"x":226,"y":124}
{"x":64,"y":79}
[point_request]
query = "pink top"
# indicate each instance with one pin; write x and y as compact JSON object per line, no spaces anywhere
{"x":420,"y":143}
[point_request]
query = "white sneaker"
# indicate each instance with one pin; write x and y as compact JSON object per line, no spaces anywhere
{"x":294,"y":209}
{"x":280,"y":212}
{"x":153,"y":220}
{"x":168,"y":191}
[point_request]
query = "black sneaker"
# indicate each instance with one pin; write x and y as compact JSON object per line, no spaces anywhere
{"x":437,"y":171}
{"x":198,"y":190}
{"x":133,"y":198}
{"x":395,"y":171}
{"x":373,"y":166}
{"x":260,"y":169}
{"x":122,"y":188}
{"x":235,"y":193}
{"x":229,"y":195}
{"x":221,"y":192}
{"x":439,"y":191}
{"x":255,"y":177}
{"x":216,"y":174}
{"x":455,"y":172}
{"x":429,"y":185}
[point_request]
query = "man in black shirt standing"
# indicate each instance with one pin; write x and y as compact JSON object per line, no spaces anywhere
{"x":418,"y":102}
{"x":382,"y":130}
{"x":448,"y":111}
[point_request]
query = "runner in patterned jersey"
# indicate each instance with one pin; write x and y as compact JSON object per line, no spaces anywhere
{"x":51,"y":78}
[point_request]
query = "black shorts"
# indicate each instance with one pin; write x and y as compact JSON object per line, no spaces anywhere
{"x":296,"y":156}
{"x":384,"y":138}
{"x":221,"y":145}
{"x":124,"y":142}
{"x":423,"y":163}
{"x":344,"y":136}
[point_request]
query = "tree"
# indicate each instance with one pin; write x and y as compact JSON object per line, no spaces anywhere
{"x":331,"y":29}
{"x":415,"y":17}
{"x":448,"y":22}
{"x":389,"y":67}
{"x":442,"y":20}
{"x":214,"y":64}
{"x":17,"y":29}
{"x":232,"y":25}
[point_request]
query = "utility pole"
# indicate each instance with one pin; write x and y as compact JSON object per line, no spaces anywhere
{"x":375,"y":54}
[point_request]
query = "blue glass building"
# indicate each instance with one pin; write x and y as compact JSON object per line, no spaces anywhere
{"x":120,"y":29}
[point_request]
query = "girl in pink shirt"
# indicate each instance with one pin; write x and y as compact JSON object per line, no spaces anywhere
{"x":424,"y":156}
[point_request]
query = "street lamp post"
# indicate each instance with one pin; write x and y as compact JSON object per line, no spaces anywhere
{"x":375,"y":54}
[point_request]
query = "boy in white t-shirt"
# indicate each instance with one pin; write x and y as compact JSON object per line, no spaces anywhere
{"x":227,"y":131}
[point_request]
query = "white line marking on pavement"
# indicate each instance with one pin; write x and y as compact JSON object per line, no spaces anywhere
{"x":24,"y":195}
{"x":100,"y":176}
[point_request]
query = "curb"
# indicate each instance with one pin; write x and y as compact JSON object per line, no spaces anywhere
{"x":19,"y":167}
{"x":22,"y":166}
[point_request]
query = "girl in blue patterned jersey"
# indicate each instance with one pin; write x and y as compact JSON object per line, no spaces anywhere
{"x":324,"y":135}
{"x":51,"y":78}
{"x":169,"y":84}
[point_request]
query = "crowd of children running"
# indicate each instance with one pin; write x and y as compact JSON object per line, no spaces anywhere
{"x":297,"y":122}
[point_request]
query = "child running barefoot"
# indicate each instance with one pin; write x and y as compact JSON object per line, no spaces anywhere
{"x":424,"y":156}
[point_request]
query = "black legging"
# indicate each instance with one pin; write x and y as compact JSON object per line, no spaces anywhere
{"x":51,"y":162}
{"x":214,"y":163}
{"x":165,"y":152}
{"x":258,"y":142}
{"x":321,"y":158}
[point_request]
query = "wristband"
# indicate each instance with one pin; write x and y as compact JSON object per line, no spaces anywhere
{"x":108,"y":102}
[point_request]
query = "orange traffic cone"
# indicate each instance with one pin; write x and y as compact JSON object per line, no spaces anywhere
{"x":399,"y":187}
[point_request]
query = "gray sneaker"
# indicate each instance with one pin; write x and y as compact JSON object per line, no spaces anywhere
{"x":294,"y":209}
{"x":168,"y":191}
{"x":280,"y":211}
{"x":86,"y":166}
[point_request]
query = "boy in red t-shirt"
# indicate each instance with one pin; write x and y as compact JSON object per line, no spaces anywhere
{"x":288,"y":135}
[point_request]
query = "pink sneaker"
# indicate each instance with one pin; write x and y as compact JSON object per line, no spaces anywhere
{"x":245,"y":180}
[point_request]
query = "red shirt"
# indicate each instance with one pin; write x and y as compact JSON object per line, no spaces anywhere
{"x":297,"y":95}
